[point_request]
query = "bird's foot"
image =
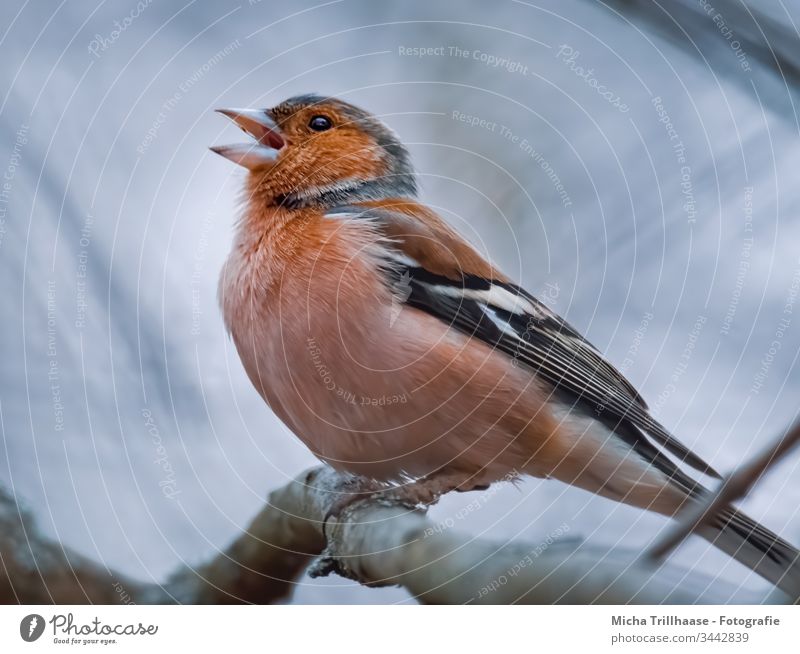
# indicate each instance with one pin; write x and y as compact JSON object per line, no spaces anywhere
{"x":427,"y":490}
{"x":350,"y":491}
{"x":420,"y":493}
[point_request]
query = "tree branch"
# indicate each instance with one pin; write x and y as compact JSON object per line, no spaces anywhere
{"x":377,"y":540}
{"x":378,"y":543}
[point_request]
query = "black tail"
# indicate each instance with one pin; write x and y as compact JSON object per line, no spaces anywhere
{"x":757,"y":547}
{"x":735,"y":533}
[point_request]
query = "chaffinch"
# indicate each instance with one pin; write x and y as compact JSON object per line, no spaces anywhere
{"x":395,"y":351}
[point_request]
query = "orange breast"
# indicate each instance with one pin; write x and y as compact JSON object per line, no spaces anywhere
{"x":369,"y":384}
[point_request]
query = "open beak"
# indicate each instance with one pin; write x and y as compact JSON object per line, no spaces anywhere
{"x":267,"y":138}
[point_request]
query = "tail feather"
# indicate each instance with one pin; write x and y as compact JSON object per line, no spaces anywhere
{"x":756,"y":547}
{"x":645,"y":477}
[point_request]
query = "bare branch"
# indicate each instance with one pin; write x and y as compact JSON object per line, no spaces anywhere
{"x":377,"y":540}
{"x":263,"y":563}
{"x":377,"y":543}
{"x":259,"y":567}
{"x":35,"y":570}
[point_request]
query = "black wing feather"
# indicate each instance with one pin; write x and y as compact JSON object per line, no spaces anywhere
{"x":579,"y":380}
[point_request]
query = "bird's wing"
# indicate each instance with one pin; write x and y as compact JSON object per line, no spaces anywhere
{"x":480,"y":302}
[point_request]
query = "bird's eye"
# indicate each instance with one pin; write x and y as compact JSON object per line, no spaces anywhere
{"x":320,"y":123}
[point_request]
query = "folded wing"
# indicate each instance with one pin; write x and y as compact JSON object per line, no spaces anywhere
{"x":486,"y":306}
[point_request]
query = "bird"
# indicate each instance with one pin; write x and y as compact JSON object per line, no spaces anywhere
{"x":396,"y":352}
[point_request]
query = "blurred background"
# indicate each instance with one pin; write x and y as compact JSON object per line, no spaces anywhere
{"x":633,"y":163}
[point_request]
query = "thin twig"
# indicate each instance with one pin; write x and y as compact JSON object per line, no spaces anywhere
{"x":735,"y":486}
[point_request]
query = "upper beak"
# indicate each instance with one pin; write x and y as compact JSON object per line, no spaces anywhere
{"x":258,"y":124}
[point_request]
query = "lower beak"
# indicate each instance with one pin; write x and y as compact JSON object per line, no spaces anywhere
{"x":267,"y":138}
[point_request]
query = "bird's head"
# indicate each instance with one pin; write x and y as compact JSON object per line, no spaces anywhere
{"x":316,"y":151}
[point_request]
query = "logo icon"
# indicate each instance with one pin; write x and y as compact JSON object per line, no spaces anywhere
{"x":31,"y":627}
